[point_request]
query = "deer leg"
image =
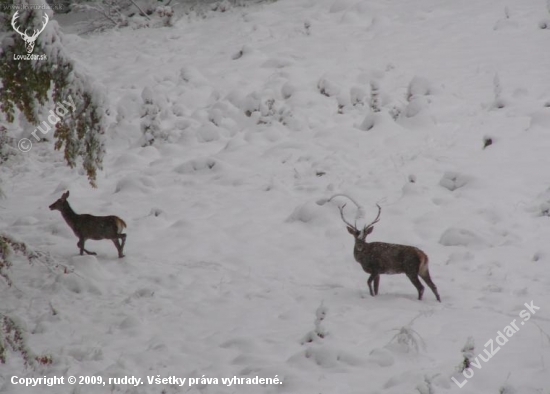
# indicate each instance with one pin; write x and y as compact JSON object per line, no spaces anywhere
{"x":80,"y":244}
{"x":416,"y":282}
{"x":369,"y":282}
{"x":376,"y":283}
{"x":426,"y":277}
{"x":118,"y":247}
{"x":123,"y":237}
{"x":120,"y":251}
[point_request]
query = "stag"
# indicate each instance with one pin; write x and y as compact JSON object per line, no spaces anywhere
{"x":29,"y":40}
{"x":378,"y":258}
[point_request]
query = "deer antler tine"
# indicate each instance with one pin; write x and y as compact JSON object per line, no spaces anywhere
{"x":343,"y":218}
{"x":377,"y":219}
{"x":379,"y":212}
{"x":37,"y":32}
{"x":14,"y":17}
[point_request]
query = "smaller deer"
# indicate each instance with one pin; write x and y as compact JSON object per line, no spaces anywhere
{"x":378,"y":258}
{"x":91,"y":227}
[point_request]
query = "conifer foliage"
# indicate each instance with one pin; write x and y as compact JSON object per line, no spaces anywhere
{"x":32,"y":87}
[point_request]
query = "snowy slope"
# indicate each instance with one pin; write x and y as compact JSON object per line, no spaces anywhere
{"x":231,"y":267}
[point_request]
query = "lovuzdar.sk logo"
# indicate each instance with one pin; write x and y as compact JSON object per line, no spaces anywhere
{"x":29,"y":40}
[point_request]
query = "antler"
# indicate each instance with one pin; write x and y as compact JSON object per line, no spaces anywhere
{"x":376,"y":220}
{"x":37,"y":32}
{"x":344,"y":219}
{"x":29,"y":41}
{"x":15,"y":16}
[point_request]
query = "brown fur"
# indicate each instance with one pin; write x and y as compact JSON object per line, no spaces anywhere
{"x":377,"y":258}
{"x":87,"y":226}
{"x":423,"y":268}
{"x":121,"y":225}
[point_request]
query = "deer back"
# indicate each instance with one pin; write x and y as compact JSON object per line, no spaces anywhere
{"x":98,"y":227}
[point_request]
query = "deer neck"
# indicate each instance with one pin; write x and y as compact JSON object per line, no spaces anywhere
{"x":69,"y":215}
{"x":360,"y":247}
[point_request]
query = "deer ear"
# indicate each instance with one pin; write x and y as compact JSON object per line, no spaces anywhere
{"x":65,"y":195}
{"x":367,"y":232}
{"x":352,"y":231}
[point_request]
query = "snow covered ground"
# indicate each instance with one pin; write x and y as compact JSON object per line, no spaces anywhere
{"x":233,"y":269}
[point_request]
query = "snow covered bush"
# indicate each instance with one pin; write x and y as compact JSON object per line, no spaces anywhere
{"x":138,"y":14}
{"x":467,"y":353}
{"x":28,"y":86}
{"x":166,"y":13}
{"x":150,"y":123}
{"x":369,"y":121}
{"x":10,"y":247}
{"x":199,"y":165}
{"x":12,"y":338}
{"x":417,"y":101}
{"x":5,"y":262}
{"x":161,"y":119}
{"x":327,"y":87}
{"x":452,"y":180}
{"x":358,"y":96}
{"x":221,"y":6}
{"x":108,"y":14}
{"x":407,"y":340}
{"x":6,"y":149}
{"x":319,"y":332}
{"x":374,"y":108}
{"x":375,"y":97}
{"x":265,"y":109}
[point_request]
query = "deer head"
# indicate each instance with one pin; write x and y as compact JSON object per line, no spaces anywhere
{"x":360,"y":235}
{"x":29,"y":40}
{"x":58,"y":205}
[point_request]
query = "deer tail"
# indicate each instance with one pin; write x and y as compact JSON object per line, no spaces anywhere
{"x":120,"y":224}
{"x":423,"y":267}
